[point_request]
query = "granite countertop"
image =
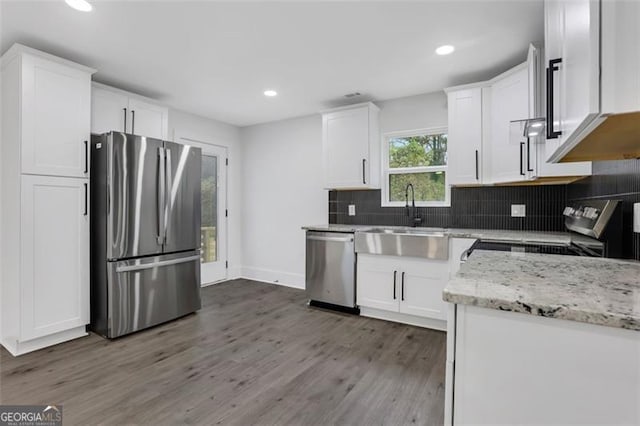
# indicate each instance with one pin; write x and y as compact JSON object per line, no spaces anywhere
{"x":585,"y":289}
{"x":560,"y":238}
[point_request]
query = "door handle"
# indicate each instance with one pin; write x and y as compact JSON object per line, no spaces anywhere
{"x":151,"y":265}
{"x":86,"y":199}
{"x":86,"y":157}
{"x":529,"y":169}
{"x":364,"y":165}
{"x":133,"y":122}
{"x":160,"y":195}
{"x":125,"y":120}
{"x":522,"y":173}
{"x":553,"y":67}
{"x":168,"y":198}
{"x":402,"y":288}
{"x":395,"y":273}
{"x":477,"y":165}
{"x":332,"y":239}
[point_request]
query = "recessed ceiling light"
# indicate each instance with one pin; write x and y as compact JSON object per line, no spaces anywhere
{"x":81,"y":5}
{"x":270,"y":93}
{"x":445,"y":50}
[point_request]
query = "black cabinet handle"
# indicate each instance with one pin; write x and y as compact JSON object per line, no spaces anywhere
{"x":553,"y":67}
{"x":86,"y":198}
{"x":124,"y":129}
{"x":364,"y":164}
{"x":522,"y":144}
{"x":86,"y":156}
{"x":133,"y":122}
{"x":529,"y":169}
{"x":402,"y":288}
{"x":394,"y":284}
{"x":477,"y":165}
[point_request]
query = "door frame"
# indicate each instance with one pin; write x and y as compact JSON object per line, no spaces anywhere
{"x":222,"y":152}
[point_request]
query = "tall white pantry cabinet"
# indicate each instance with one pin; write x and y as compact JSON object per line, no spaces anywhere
{"x":44,"y":228}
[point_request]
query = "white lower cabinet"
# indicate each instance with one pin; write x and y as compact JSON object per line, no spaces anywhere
{"x":402,"y":289}
{"x":377,"y":281}
{"x":422,"y":282}
{"x":54,"y":255}
{"x":512,"y":368}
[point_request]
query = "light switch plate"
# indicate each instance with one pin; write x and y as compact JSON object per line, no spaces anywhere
{"x":518,"y":210}
{"x":636,"y":218}
{"x":352,"y":209}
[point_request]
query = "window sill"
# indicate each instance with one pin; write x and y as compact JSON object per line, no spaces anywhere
{"x":418,"y":204}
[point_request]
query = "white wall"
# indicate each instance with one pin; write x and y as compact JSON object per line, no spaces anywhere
{"x":414,"y":112}
{"x":182,"y":124}
{"x":282,"y":191}
{"x":282,"y":184}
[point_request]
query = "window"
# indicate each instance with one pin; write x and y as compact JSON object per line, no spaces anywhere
{"x":416,"y":157}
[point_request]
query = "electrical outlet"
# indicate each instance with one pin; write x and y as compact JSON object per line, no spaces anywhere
{"x":518,"y":210}
{"x":352,"y":209}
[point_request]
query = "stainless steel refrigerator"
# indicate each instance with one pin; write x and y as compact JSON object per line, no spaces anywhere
{"x":145,"y":232}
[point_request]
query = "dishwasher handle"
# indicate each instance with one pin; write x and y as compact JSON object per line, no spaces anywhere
{"x":348,"y":239}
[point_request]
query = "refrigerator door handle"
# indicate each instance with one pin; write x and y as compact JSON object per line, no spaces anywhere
{"x":151,"y":265}
{"x":161,"y":195}
{"x":169,"y":188}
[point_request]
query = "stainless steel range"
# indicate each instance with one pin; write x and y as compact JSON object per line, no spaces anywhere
{"x":594,"y":230}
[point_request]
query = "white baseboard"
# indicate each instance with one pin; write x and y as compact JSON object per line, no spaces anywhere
{"x":21,"y":348}
{"x":234,"y":273}
{"x":435,"y":324}
{"x":283,"y":278}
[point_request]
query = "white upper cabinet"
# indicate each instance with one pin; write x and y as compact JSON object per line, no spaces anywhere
{"x":508,"y":158}
{"x":592,"y":62}
{"x":351,"y":147}
{"x":108,"y":111}
{"x":487,"y":144}
{"x":465,"y":135}
{"x":114,"y":109}
{"x":572,"y":46}
{"x":148,"y":119}
{"x":55,"y":255}
{"x":55,"y":103}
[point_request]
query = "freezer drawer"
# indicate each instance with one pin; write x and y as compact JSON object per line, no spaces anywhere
{"x":144,"y":292}
{"x":330,"y":268}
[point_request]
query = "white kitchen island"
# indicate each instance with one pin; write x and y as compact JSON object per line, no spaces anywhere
{"x":543,"y":339}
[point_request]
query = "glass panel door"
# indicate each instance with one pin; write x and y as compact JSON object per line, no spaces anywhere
{"x":213,"y":229}
{"x":213,"y":223}
{"x":209,"y":236}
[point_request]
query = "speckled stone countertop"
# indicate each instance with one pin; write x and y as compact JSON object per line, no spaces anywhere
{"x":585,"y":289}
{"x":484,"y":234}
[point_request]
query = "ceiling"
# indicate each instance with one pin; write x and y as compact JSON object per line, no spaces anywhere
{"x":215,"y":59}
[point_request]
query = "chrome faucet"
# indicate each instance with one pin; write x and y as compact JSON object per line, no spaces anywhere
{"x":416,"y":220}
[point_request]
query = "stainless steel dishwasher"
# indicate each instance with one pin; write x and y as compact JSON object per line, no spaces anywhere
{"x":331,"y":270}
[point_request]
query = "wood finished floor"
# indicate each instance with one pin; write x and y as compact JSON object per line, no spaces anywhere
{"x":254,"y":354}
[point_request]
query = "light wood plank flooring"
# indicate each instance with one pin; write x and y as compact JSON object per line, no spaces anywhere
{"x":254,"y":354}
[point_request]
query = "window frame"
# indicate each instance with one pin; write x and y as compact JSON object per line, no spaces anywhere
{"x":386,"y":170}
